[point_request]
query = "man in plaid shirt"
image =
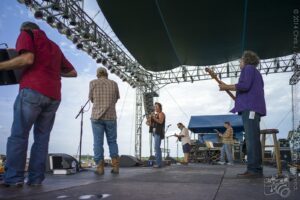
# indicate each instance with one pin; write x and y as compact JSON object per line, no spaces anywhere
{"x":104,"y":94}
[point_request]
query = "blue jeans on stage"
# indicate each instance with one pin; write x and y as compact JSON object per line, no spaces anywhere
{"x":30,"y":108}
{"x":110,"y":129}
{"x":226,"y":149}
{"x":158,"y":155}
{"x":253,"y":145}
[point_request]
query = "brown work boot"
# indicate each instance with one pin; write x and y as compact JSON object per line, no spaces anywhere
{"x":115,"y":163}
{"x":100,"y":168}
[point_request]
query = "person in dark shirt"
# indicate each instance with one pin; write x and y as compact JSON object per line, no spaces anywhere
{"x":158,"y":132}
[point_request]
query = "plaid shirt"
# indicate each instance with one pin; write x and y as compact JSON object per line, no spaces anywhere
{"x":104,"y":94}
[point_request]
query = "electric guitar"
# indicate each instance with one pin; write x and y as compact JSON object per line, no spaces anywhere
{"x":214,"y":76}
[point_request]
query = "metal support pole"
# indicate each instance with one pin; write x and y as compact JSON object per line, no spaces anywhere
{"x":138,"y":121}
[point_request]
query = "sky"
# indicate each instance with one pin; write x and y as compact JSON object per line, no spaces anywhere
{"x":180,"y":101}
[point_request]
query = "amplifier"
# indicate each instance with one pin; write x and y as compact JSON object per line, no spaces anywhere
{"x":9,"y":77}
{"x":236,"y":147}
{"x":284,"y":143}
{"x":285,"y":155}
{"x":237,"y":154}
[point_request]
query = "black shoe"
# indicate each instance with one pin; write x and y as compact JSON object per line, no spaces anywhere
{"x":156,"y":166}
{"x":13,"y":185}
{"x":250,"y":175}
{"x":34,"y":184}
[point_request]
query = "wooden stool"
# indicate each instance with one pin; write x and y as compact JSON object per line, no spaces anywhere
{"x":275,"y":147}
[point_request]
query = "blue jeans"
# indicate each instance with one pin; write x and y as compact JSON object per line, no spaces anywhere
{"x":253,"y":145}
{"x":30,"y":108}
{"x":226,"y":149}
{"x":158,"y":155}
{"x":110,"y":129}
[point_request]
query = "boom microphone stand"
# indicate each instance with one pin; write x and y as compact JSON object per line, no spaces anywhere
{"x":81,"y":111}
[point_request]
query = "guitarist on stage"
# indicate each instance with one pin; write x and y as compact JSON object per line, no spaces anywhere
{"x":185,"y":139}
{"x":250,"y":104}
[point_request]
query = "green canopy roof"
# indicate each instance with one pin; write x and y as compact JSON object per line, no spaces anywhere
{"x":164,"y":34}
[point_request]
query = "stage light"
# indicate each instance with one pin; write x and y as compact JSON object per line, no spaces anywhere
{"x":86,"y":35}
{"x":55,"y":6}
{"x":110,"y":53}
{"x":85,"y":30}
{"x":99,"y":45}
{"x":75,"y":40}
{"x":59,"y":25}
{"x":104,"y":49}
{"x":65,"y":14}
{"x":50,"y":20}
{"x":67,"y":32}
{"x":124,"y":79}
{"x":109,"y":67}
{"x":79,"y":46}
{"x":99,"y":60}
{"x":104,"y":61}
{"x":89,"y":51}
{"x":114,"y":57}
{"x":38,"y":14}
{"x":27,"y":2}
{"x":73,"y":21}
{"x":117,"y":73}
{"x":112,"y":70}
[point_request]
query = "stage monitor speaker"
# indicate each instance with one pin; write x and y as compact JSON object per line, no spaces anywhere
{"x":9,"y":77}
{"x":129,"y":161}
{"x":61,"y":161}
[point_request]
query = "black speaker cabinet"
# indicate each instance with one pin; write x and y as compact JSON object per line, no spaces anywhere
{"x":9,"y":77}
{"x":61,"y":161}
{"x":129,"y":161}
{"x":285,"y":154}
{"x":237,"y":153}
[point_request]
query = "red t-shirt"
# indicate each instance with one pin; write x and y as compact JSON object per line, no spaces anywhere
{"x":45,"y":73}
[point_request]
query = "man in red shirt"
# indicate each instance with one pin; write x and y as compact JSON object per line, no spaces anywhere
{"x":43,"y":65}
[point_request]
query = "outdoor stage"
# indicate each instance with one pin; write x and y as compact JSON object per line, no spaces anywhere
{"x":175,"y":182}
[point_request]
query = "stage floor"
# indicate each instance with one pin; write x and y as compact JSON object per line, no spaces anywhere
{"x":175,"y":182}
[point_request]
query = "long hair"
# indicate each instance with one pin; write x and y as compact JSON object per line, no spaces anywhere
{"x":250,"y":58}
{"x":159,"y":105}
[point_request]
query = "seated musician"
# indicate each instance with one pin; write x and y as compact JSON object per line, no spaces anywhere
{"x":227,"y":140}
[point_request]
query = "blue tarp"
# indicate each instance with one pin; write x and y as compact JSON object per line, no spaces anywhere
{"x":207,"y":123}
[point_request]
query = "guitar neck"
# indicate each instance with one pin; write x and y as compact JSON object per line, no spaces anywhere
{"x":227,"y":91}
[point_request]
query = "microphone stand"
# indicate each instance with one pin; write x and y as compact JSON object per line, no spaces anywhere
{"x":165,"y":142}
{"x":81,"y":111}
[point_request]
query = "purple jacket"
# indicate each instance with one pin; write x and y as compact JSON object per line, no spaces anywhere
{"x":250,"y":92}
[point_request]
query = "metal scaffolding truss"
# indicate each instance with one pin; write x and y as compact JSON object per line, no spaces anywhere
{"x":138,"y":121}
{"x":71,"y":20}
{"x":227,"y":70}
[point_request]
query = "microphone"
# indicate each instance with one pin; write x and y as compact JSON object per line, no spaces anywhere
{"x":169,"y":125}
